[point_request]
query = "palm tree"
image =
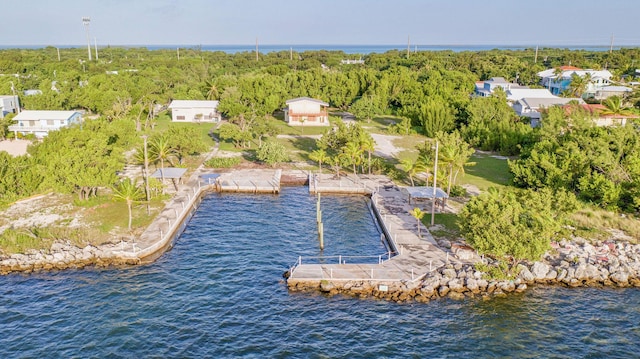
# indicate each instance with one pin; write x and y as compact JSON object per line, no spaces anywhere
{"x":418,"y":214}
{"x":352,"y":153}
{"x":319,"y":155}
{"x":454,"y":155}
{"x":161,"y":150}
{"x":128,"y":192}
{"x":614,"y":106}
{"x":368,"y":144}
{"x":212,"y":92}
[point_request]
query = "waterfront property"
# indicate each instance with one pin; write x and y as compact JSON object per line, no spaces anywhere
{"x":305,"y":111}
{"x":194,"y":111}
{"x":40,"y":123}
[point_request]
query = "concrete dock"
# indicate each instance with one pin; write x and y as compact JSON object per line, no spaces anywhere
{"x":413,"y":256}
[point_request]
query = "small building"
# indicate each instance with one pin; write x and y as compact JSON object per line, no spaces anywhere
{"x":194,"y":111}
{"x":8,"y":104}
{"x":40,"y":123}
{"x":605,"y":92}
{"x":598,"y":113}
{"x":559,"y":80}
{"x":305,"y":111}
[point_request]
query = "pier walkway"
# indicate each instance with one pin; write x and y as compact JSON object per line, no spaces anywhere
{"x":413,"y":256}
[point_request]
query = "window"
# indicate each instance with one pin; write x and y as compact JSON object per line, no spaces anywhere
{"x":32,"y":123}
{"x":180,"y":118}
{"x":50,"y":122}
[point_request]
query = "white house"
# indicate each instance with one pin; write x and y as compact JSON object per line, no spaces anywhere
{"x":39,"y":123}
{"x":194,"y":111}
{"x":8,"y":104}
{"x":532,"y":107}
{"x":513,"y":95}
{"x":486,"y":88}
{"x":305,"y":111}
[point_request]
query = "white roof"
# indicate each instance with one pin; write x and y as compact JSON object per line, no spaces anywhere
{"x":605,"y":74}
{"x":425,"y":192}
{"x":517,"y":94}
{"x":44,"y":115}
{"x":536,"y":103}
{"x":193,"y":104}
{"x":320,"y":102}
{"x":615,"y":89}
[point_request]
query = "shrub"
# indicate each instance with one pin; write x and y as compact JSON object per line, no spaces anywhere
{"x":223,"y":162}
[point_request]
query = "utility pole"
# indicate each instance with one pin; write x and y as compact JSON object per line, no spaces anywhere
{"x":535,"y":59}
{"x":178,"y":52}
{"x":58,"y":53}
{"x":146,"y":175}
{"x":320,"y":225}
{"x":435,"y":175}
{"x":611,"y":46}
{"x":257,"y":49}
{"x":15,"y":98}
{"x":95,"y":44}
{"x":85,"y":21}
{"x":408,"y":45}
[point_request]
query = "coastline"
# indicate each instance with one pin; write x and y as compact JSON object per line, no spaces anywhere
{"x":575,"y":263}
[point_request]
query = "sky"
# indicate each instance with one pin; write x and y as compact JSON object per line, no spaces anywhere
{"x":330,"y":22}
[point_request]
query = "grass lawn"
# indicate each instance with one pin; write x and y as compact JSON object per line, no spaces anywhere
{"x":488,"y":172}
{"x":449,"y":221}
{"x":164,"y":122}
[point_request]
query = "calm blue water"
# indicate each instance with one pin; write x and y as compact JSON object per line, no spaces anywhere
{"x":219,"y":293}
{"x":348,"y":49}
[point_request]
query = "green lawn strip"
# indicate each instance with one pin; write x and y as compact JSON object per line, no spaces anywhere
{"x":488,"y":172}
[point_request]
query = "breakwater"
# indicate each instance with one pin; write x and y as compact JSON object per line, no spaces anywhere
{"x":575,"y":263}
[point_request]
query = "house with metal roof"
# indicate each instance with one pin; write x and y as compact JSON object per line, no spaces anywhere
{"x":305,"y":111}
{"x":487,"y":87}
{"x":40,"y":123}
{"x":194,"y":111}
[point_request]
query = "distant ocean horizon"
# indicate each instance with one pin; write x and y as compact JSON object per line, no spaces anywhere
{"x":347,"y":49}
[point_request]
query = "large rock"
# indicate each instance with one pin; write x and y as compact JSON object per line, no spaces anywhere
{"x":525,"y":273}
{"x":621,"y":278}
{"x":456,"y":285}
{"x":449,"y":273}
{"x":540,"y":270}
{"x":472,"y":285}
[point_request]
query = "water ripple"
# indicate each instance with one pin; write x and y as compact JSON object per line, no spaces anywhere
{"x":219,"y":293}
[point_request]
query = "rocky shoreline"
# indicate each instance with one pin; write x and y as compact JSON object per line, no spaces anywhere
{"x":576,"y":263}
{"x":64,"y":255}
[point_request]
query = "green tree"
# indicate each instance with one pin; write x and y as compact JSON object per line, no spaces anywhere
{"x":436,"y":117}
{"x":272,"y":153}
{"x":128,"y":192}
{"x":515,"y":224}
{"x":418,"y":214}
{"x":454,"y":154}
{"x":352,"y":153}
{"x":320,"y":156}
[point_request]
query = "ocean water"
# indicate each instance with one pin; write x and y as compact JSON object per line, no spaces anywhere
{"x":219,"y":293}
{"x":347,"y":49}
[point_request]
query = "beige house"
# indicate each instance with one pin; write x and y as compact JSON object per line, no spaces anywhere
{"x":194,"y":111}
{"x":305,"y":111}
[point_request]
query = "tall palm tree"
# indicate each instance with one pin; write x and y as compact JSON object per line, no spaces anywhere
{"x":352,"y":153}
{"x":368,"y":144}
{"x":160,"y":150}
{"x":418,"y":214}
{"x":212,"y":92}
{"x":128,"y":192}
{"x":320,"y":156}
{"x":454,"y":155}
{"x":614,"y":106}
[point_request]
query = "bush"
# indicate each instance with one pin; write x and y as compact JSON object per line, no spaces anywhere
{"x":223,"y":162}
{"x":515,"y":224}
{"x":272,"y":153}
{"x":458,"y":191}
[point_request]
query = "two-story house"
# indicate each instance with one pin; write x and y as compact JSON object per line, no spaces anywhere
{"x":305,"y":111}
{"x":559,"y":80}
{"x":40,"y":123}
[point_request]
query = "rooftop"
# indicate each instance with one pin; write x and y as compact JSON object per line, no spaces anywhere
{"x":193,"y":104}
{"x":320,"y":102}
{"x":44,"y":115}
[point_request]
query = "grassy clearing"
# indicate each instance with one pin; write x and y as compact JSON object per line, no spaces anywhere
{"x":164,"y":122}
{"x":488,"y":172}
{"x":448,"y":222}
{"x":596,"y":223}
{"x":299,"y":147}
